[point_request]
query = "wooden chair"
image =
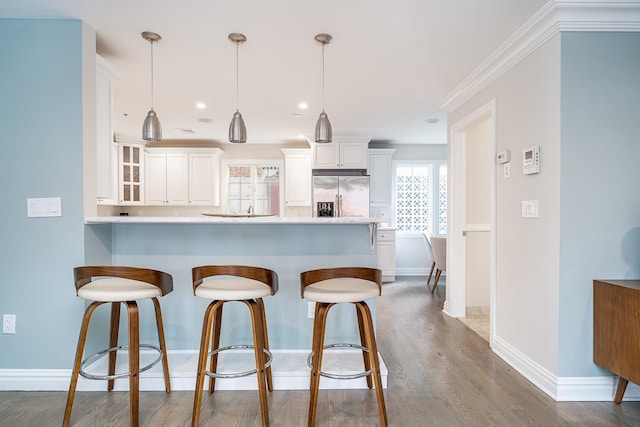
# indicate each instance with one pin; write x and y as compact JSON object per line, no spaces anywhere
{"x":247,"y":285}
{"x":439,"y":246}
{"x":119,"y":285}
{"x":331,"y":286}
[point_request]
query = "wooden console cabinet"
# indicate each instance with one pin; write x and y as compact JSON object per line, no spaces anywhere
{"x":616,"y":330}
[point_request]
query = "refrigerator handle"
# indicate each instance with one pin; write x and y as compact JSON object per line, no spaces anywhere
{"x":336,"y":208}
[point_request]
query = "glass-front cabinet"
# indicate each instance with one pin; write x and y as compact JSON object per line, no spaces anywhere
{"x":253,"y":187}
{"x":130,"y":174}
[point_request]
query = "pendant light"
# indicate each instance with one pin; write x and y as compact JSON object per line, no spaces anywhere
{"x":323,"y":127}
{"x":237,"y":129}
{"x":151,"y":129}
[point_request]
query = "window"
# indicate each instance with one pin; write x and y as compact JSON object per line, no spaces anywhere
{"x":253,"y":187}
{"x":420,"y":196}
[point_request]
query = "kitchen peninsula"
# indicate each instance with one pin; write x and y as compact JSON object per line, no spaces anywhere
{"x":288,"y":246}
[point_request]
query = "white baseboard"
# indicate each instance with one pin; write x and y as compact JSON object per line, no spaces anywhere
{"x":563,"y":389}
{"x":289,"y":368}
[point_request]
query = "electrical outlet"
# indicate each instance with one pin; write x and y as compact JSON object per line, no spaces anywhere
{"x":9,"y":324}
{"x":311,"y":310}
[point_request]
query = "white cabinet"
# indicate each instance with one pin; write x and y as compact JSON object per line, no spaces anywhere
{"x":386,"y":239}
{"x":166,"y":178}
{"x":181,"y":177}
{"x":204,"y":177}
{"x":106,"y":148}
{"x":381,"y":173}
{"x":130,"y":172}
{"x":342,"y":153}
{"x":297,"y":176}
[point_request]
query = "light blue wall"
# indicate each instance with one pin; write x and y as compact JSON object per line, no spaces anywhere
{"x":600,"y":181}
{"x":41,"y":122}
{"x":286,"y":249}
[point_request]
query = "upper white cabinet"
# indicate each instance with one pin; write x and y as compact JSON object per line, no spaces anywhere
{"x":175,"y":176}
{"x":380,"y":176}
{"x":297,"y":173}
{"x":204,"y":177}
{"x":106,"y":148}
{"x":341,"y":153}
{"x":130,"y":171}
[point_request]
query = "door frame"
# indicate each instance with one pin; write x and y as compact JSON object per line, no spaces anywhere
{"x":455,"y":304}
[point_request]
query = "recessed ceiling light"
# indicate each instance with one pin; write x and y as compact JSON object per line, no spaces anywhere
{"x":432,"y":121}
{"x":186,"y":130}
{"x":302,"y":136}
{"x":201,"y":105}
{"x":303,"y":105}
{"x":205,"y":120}
{"x":296,"y":115}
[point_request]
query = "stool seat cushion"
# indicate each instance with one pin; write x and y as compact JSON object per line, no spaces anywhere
{"x":116,"y":289}
{"x":232,"y":289}
{"x":343,"y":289}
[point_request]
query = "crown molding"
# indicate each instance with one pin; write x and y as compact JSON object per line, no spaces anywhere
{"x":553,"y":18}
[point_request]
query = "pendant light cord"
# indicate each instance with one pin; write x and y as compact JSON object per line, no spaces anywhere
{"x":152,"y":74}
{"x":237,"y":77}
{"x":323,"y":77}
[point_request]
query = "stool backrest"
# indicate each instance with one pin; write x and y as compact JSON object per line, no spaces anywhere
{"x":264,"y":275}
{"x":365,"y":273}
{"x":160,"y":279}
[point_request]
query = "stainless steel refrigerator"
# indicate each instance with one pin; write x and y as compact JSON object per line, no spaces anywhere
{"x":341,"y":196}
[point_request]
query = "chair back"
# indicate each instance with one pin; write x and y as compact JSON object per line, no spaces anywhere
{"x":264,"y":275}
{"x":365,"y":273}
{"x":160,"y":279}
{"x":439,"y":248}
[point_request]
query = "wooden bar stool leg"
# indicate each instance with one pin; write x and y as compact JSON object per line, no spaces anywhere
{"x":263,"y":314}
{"x":134,"y":361}
{"x":82,"y":339}
{"x":202,"y":360}
{"x":114,"y":328}
{"x":258,"y":349}
{"x":363,"y":342}
{"x":163,"y":345}
{"x":215,"y":344}
{"x":319,"y":325}
{"x":375,"y":363}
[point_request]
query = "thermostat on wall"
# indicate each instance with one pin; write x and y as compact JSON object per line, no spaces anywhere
{"x":531,"y":160}
{"x":503,"y":157}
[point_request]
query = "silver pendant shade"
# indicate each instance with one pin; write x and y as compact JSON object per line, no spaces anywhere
{"x":151,"y":129}
{"x":237,"y":128}
{"x":323,"y":126}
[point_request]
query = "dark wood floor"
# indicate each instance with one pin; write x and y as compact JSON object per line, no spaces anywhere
{"x":440,"y":374}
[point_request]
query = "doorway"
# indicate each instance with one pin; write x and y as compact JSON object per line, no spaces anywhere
{"x":471,"y":243}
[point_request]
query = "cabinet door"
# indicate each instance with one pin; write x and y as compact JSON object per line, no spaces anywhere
{"x":353,"y":155}
{"x":297,"y":184}
{"x":155,"y":179}
{"x":387,"y":258}
{"x":380,"y":184}
{"x":326,"y":156}
{"x":204,"y":184}
{"x":130,"y":172}
{"x":177,"y":179}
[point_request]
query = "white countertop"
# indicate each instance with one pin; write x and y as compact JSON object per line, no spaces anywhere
{"x":227,"y":220}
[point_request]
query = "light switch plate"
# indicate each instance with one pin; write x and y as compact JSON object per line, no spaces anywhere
{"x":530,"y":209}
{"x":507,"y":170}
{"x":43,"y":207}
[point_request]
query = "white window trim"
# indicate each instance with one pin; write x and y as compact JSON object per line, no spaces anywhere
{"x":224,"y":202}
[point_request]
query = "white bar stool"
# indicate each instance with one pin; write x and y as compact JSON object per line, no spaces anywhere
{"x":247,"y":285}
{"x":119,"y":285}
{"x":331,"y":286}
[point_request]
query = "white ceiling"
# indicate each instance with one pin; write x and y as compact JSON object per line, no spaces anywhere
{"x":388,"y":69}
